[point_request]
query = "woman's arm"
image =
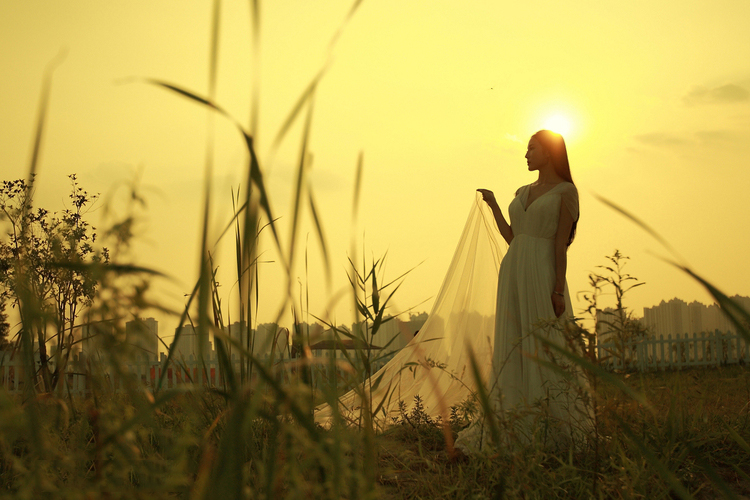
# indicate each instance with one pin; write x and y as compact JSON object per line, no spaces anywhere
{"x":502,"y":224}
{"x":564,"y":225}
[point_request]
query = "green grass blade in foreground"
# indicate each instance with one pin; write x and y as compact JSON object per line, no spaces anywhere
{"x":255,"y":177}
{"x":214,"y":51}
{"x":375,"y":294}
{"x":306,"y":96}
{"x":29,"y":308}
{"x":140,"y":417}
{"x":255,"y":84}
{"x":227,"y":478}
{"x":42,"y":114}
{"x":349,"y":15}
{"x":194,"y":97}
{"x":205,"y":295}
{"x":484,"y":399}
{"x":668,"y":476}
{"x":738,"y":439}
{"x":321,"y":236}
{"x":710,"y":471}
{"x":357,"y":187}
{"x":225,"y":364}
{"x":303,"y":164}
{"x":177,"y":335}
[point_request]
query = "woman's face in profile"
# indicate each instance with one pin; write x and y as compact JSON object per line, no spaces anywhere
{"x":536,"y":156}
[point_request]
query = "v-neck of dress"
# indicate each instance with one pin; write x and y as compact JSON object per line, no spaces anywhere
{"x":528,"y":191}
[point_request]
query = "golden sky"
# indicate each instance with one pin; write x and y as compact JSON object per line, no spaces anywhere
{"x":441,"y":97}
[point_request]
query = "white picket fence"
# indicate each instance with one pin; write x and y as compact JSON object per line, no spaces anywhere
{"x":704,"y":349}
{"x":190,"y":371}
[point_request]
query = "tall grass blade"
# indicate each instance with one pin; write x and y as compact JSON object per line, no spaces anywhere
{"x":178,"y":334}
{"x":255,"y":92}
{"x":29,"y":308}
{"x":642,"y":224}
{"x":143,"y":415}
{"x":484,"y":400}
{"x":668,"y":476}
{"x":255,"y":176}
{"x":226,"y":479}
{"x":738,"y":439}
{"x":41,"y":116}
{"x":304,"y":99}
{"x":214,"y":51}
{"x":256,"y":179}
{"x":205,"y":296}
{"x":710,"y":471}
{"x":321,"y":236}
{"x":299,"y":186}
{"x":357,"y":186}
{"x":349,"y":15}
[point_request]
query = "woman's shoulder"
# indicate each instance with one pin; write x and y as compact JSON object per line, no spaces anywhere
{"x":567,"y":186}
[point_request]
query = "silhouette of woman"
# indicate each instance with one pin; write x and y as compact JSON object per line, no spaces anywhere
{"x":531,"y":288}
{"x":491,"y":307}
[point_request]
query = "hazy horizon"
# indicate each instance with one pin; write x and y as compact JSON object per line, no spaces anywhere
{"x":439,"y":97}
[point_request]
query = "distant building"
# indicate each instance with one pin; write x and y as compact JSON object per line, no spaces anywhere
{"x":143,"y":334}
{"x":238,"y":332}
{"x":189,"y":343}
{"x":91,"y":333}
{"x":260,"y":340}
{"x":393,"y":335}
{"x":604,"y":319}
{"x":678,"y":317}
{"x":667,"y":318}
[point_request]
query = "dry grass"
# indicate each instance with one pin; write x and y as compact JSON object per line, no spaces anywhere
{"x":688,"y":431}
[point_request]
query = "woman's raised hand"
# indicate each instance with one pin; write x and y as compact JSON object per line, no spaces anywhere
{"x":488,"y":196}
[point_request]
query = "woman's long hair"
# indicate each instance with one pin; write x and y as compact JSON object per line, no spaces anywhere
{"x":554,"y":145}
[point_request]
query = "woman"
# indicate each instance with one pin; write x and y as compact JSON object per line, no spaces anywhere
{"x":469,"y":326}
{"x":532,"y":294}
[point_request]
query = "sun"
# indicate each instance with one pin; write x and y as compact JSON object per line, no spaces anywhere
{"x":558,"y":124}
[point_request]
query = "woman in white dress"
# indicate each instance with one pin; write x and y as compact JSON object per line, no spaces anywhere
{"x":489,"y":308}
{"x":532,"y":295}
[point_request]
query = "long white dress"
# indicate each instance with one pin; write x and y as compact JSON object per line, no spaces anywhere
{"x":524,"y":314}
{"x":525,"y":287}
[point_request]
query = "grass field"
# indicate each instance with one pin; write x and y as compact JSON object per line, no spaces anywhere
{"x":695,"y":434}
{"x":696,"y":418}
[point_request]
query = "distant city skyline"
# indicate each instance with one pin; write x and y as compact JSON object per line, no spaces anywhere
{"x":668,"y":317}
{"x":143,"y":335}
{"x":676,"y":316}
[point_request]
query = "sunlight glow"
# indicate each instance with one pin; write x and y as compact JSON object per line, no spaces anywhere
{"x":559,"y":124}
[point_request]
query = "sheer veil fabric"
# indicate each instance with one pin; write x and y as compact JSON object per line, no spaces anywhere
{"x":435,"y":363}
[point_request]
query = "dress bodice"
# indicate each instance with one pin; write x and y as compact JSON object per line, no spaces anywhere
{"x":541,"y":217}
